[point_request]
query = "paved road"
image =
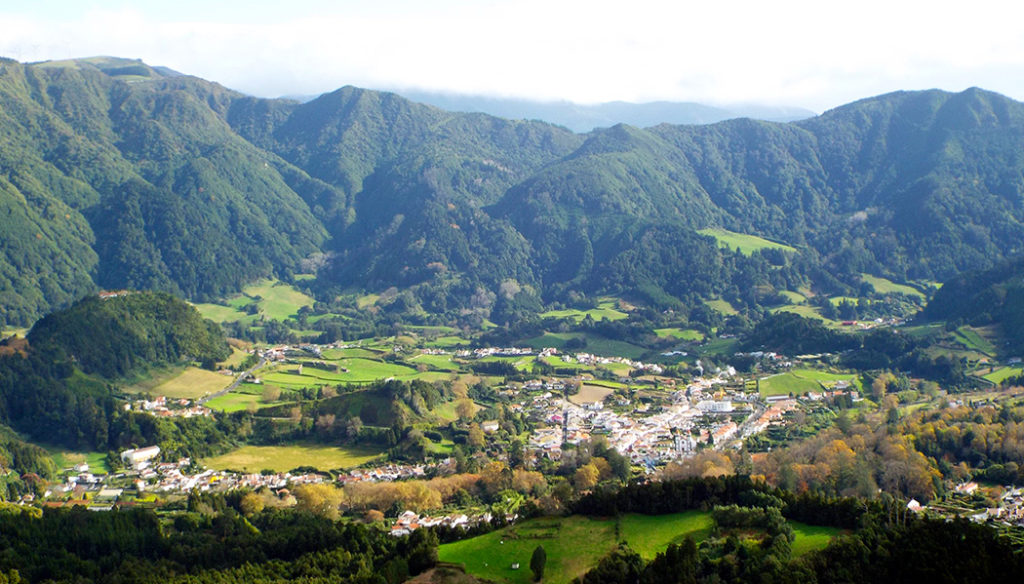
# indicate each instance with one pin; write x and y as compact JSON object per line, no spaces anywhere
{"x":241,"y":377}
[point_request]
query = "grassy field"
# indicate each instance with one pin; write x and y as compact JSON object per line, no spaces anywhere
{"x":722,"y":306}
{"x":800,"y":381}
{"x":719,"y":347}
{"x":236,"y":358}
{"x":192,"y":383}
{"x":590,"y":393}
{"x":283,"y":458}
{"x":1001,"y":374}
{"x":801,"y":309}
{"x":359,"y":371}
{"x":747,"y":244}
{"x":650,"y":534}
{"x":65,"y":459}
{"x":277,"y":300}
{"x":811,"y":538}
{"x":973,"y":340}
{"x":237,"y":401}
{"x":573,"y":544}
{"x":794,"y":297}
{"x":679,"y":333}
{"x":603,"y":310}
{"x":442,"y":362}
{"x":883,"y":286}
{"x":335,"y":354}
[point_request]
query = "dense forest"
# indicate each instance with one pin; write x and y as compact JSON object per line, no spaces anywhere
{"x":114,"y":174}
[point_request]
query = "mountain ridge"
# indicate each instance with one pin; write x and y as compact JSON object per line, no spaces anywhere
{"x":170,"y":182}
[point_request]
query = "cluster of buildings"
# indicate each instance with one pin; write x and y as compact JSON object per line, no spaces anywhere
{"x":688,"y":420}
{"x":162,"y":408}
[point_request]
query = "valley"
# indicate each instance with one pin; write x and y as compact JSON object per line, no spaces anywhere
{"x":359,"y":338}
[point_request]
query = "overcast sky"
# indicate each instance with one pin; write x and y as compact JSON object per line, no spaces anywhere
{"x":816,"y":54}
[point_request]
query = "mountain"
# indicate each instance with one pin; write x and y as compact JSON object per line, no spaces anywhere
{"x":115,"y":174}
{"x":586,"y":117}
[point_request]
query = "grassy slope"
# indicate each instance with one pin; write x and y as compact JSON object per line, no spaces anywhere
{"x":799,"y":381}
{"x":283,"y":458}
{"x":747,"y":244}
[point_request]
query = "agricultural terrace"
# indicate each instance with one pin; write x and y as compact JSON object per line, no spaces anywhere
{"x":285,"y":458}
{"x":747,"y":244}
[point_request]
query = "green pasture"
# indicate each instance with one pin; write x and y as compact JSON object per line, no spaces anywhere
{"x":794,"y":297}
{"x":359,"y":371}
{"x":442,"y":362}
{"x":193,"y":383}
{"x":283,"y":458}
{"x":972,"y":340}
{"x":747,"y":244}
{"x":811,"y":538}
{"x":650,"y":534}
{"x":884,"y":286}
{"x":603,"y":310}
{"x":1003,"y":373}
{"x":801,"y":381}
{"x":679,"y":334}
{"x":335,"y":354}
{"x":66,"y":459}
{"x":802,"y":309}
{"x":722,"y":307}
{"x":276,"y":300}
{"x":573,"y":544}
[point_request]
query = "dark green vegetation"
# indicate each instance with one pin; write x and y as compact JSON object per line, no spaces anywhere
{"x":984,"y":297}
{"x":115,"y":336}
{"x":219,"y":545}
{"x":170,"y":182}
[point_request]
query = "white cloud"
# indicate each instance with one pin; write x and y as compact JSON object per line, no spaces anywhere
{"x":796,"y":52}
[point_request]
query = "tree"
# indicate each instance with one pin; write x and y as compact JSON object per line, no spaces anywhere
{"x":271,"y":393}
{"x":537,"y":561}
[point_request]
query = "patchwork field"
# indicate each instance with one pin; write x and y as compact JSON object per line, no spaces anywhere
{"x":284,"y":458}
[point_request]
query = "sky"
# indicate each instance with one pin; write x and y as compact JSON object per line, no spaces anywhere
{"x":814,"y":54}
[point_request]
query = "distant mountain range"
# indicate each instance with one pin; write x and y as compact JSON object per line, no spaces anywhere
{"x":115,"y":174}
{"x":586,"y":117}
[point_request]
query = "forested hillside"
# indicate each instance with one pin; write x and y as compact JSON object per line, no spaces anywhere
{"x":114,"y":174}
